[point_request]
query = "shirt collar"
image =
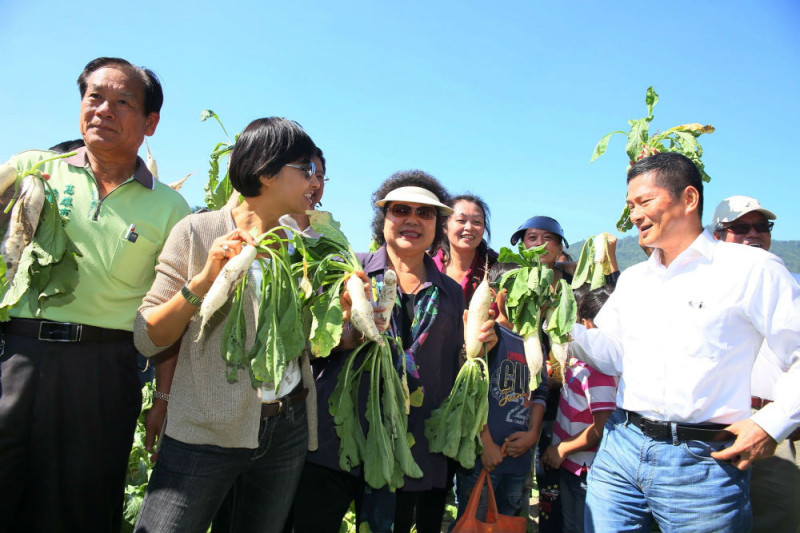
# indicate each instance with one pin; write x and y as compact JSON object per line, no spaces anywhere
{"x":702,"y":246}
{"x":140,"y":174}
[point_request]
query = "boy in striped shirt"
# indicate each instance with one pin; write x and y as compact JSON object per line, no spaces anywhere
{"x":587,"y":400}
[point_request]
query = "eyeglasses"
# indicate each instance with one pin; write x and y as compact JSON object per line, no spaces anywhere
{"x":742,"y":228}
{"x":425,"y":212}
{"x":310,"y":169}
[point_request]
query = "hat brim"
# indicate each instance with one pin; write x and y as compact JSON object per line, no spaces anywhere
{"x":415,"y":195}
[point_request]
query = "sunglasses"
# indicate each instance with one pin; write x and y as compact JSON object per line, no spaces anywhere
{"x":310,"y":169}
{"x":425,"y":212}
{"x":742,"y":228}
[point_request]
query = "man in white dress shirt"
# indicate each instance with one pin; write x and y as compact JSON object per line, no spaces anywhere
{"x":775,"y":481}
{"x":680,"y":331}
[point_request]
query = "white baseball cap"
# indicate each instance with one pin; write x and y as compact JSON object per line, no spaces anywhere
{"x":734,"y":207}
{"x":416,"y":195}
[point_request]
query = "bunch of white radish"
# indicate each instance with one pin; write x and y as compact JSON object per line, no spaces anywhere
{"x":533,"y":296}
{"x":454,"y":428}
{"x":31,"y":201}
{"x":594,"y":263}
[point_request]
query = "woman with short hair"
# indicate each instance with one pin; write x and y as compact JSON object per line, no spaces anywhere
{"x":218,"y":431}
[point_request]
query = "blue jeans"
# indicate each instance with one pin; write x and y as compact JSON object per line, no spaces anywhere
{"x":573,"y":500}
{"x":509,"y":490}
{"x":190,"y":481}
{"x":636,"y":479}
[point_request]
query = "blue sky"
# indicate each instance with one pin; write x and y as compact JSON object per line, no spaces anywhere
{"x":503,"y":99}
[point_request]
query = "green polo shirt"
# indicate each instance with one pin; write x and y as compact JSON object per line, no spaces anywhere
{"x":119,"y":238}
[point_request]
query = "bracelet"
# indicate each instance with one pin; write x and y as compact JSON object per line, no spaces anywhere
{"x":190,"y":297}
{"x":161,"y":395}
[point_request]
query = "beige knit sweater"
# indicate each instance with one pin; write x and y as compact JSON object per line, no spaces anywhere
{"x":204,"y":407}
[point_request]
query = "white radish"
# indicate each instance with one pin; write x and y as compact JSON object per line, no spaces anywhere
{"x":151,"y":162}
{"x":560,"y":354}
{"x":223,"y":285}
{"x":534,"y":357}
{"x":362,"y":315}
{"x":22,"y":225}
{"x":478,"y":314}
{"x":176,"y":185}
{"x":8,"y":175}
{"x":387,"y":296}
{"x":600,"y":248}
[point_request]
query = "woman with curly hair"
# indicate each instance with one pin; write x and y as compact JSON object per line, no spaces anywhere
{"x":408,"y":222}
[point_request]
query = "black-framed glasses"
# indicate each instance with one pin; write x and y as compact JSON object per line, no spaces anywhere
{"x":743,"y":228}
{"x":424,"y":212}
{"x":310,"y":169}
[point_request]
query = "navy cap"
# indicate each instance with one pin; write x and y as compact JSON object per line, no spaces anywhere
{"x":545,"y":223}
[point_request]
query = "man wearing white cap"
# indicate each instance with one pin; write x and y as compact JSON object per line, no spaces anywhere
{"x":775,"y":483}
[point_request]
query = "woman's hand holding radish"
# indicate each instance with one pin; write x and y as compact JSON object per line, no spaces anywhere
{"x":487,"y":334}
{"x":221,"y":251}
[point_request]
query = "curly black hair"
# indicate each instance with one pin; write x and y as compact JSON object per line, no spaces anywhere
{"x":408,"y":178}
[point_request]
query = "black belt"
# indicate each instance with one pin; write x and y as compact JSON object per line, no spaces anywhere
{"x":45,"y":330}
{"x":280,"y":405}
{"x":657,"y":429}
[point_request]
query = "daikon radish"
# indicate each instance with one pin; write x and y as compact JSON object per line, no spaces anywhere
{"x":362,"y":315}
{"x":223,"y":285}
{"x":387,"y":296}
{"x":478,"y":314}
{"x":22,"y":225}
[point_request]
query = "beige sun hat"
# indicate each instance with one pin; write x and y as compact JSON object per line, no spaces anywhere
{"x":734,"y":207}
{"x":416,"y":195}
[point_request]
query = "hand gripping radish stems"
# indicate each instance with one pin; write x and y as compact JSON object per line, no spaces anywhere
{"x":478,"y":314}
{"x":22,"y":226}
{"x":233,"y":270}
{"x":362,"y":315}
{"x":388,"y":295}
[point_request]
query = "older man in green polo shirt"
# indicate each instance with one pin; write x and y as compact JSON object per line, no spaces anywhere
{"x":70,"y":391}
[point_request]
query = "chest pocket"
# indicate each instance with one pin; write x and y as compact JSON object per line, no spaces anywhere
{"x":133,"y":263}
{"x":703,"y":327}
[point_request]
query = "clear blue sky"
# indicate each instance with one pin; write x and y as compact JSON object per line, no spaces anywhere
{"x":504,"y":99}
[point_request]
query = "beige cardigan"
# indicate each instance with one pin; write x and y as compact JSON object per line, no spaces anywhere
{"x":204,"y":407}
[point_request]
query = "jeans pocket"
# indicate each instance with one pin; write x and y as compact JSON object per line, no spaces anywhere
{"x":296,"y":415}
{"x":701,"y":450}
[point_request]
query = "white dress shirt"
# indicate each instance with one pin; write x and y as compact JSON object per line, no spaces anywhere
{"x":766,"y":370}
{"x":683,"y":338}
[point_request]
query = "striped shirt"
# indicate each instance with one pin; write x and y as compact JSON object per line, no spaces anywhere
{"x":585,"y":391}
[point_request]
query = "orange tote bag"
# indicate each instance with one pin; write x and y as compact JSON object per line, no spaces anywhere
{"x":495,"y":523}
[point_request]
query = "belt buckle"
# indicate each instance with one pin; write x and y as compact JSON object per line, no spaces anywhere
{"x":60,"y":332}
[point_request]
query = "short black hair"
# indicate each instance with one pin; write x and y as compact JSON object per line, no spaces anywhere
{"x":153,"y":94}
{"x":498,"y":270}
{"x":263,"y":148}
{"x":590,"y":303}
{"x":408,"y":178}
{"x":322,"y":158}
{"x":673,"y":172}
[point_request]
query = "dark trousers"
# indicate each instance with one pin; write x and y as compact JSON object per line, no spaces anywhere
{"x":324,"y":496}
{"x":67,"y":416}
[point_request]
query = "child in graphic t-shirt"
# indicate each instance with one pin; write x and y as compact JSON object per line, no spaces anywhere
{"x":515,"y":419}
